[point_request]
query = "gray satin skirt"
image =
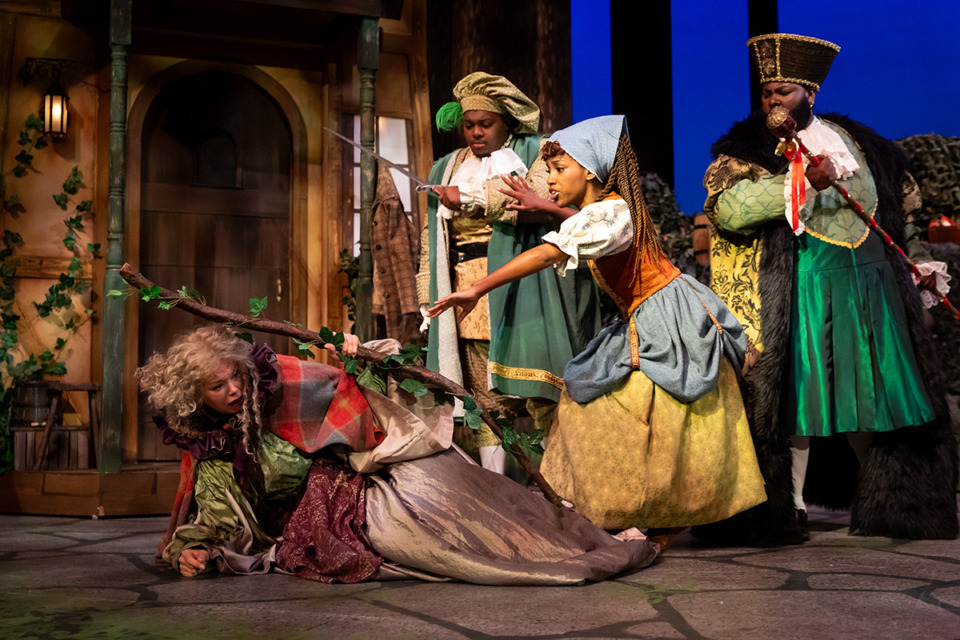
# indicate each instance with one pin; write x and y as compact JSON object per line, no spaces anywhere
{"x":441,"y":517}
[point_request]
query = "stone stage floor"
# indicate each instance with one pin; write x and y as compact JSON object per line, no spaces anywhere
{"x":84,"y":578}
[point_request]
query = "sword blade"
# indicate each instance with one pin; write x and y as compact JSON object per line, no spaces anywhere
{"x":419,"y":181}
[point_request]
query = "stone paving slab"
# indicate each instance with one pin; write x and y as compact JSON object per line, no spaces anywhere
{"x":83,"y":578}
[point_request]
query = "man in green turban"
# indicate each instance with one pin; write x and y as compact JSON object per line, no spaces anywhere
{"x":512,"y":350}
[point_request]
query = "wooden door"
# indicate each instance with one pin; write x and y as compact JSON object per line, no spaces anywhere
{"x":215,"y":210}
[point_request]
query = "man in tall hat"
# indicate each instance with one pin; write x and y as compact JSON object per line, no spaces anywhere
{"x":841,"y":373}
{"x":510,"y":352}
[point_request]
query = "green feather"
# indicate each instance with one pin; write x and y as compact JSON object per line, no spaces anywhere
{"x":449,"y":116}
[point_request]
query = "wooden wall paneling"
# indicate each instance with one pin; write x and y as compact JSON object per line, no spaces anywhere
{"x":552,"y":65}
{"x":531,"y":49}
{"x":47,"y":267}
{"x":420,"y":88}
{"x":298,"y":239}
{"x":393,"y":87}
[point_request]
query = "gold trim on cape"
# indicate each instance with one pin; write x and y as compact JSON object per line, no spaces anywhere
{"x":519,"y":373}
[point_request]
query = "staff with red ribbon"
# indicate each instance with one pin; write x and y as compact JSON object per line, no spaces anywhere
{"x":782,"y":124}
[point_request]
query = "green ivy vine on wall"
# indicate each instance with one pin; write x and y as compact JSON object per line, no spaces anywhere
{"x":57,"y":306}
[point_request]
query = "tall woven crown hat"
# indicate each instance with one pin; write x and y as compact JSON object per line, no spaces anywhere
{"x":785,"y":57}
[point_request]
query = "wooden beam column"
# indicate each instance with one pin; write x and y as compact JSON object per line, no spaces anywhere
{"x":109,"y":457}
{"x":368,"y":55}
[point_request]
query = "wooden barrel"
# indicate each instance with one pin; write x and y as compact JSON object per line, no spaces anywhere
{"x":31,"y":404}
{"x":701,"y":239}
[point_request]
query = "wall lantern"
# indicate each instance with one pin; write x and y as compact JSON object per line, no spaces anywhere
{"x":55,"y":99}
{"x":55,"y":111}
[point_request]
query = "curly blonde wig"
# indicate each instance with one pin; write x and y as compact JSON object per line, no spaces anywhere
{"x":175,"y":381}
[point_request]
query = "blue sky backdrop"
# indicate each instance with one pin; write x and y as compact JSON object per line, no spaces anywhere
{"x":898,"y":69}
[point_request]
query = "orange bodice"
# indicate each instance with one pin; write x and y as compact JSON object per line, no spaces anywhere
{"x":629,"y":287}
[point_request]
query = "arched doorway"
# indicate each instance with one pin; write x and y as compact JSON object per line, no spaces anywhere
{"x":215,"y":209}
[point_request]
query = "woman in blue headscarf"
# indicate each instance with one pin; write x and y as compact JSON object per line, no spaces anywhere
{"x":651,"y":430}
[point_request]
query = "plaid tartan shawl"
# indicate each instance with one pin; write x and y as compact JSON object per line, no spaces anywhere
{"x":317,"y":405}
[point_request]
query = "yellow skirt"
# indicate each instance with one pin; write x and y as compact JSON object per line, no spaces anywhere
{"x":637,"y":457}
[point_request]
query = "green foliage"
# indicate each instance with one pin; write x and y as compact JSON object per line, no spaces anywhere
{"x":74,"y":182}
{"x":34,"y":123}
{"x":371,"y":380}
{"x":12,"y":205}
{"x":509,"y":436}
{"x":376,"y":373}
{"x":329,"y":337}
{"x":24,"y":158}
{"x":257,"y":305}
{"x":472,"y":413}
{"x":442,"y":397}
{"x":415,"y":387}
{"x":305,"y":348}
{"x":349,"y":364}
{"x":58,"y":303}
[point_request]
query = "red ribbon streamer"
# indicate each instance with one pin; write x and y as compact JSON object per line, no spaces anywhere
{"x":798,"y":187}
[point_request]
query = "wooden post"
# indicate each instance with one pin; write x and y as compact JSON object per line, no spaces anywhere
{"x":368,"y":56}
{"x":109,"y":457}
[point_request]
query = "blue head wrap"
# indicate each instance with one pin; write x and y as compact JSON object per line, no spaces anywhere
{"x":593,"y":143}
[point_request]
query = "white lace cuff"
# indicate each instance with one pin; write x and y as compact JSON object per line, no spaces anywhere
{"x":942,"y":286}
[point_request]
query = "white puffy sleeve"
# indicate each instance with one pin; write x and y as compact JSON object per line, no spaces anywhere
{"x":600,"y":229}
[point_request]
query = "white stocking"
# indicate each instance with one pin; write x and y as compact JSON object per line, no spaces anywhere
{"x":800,"y":448}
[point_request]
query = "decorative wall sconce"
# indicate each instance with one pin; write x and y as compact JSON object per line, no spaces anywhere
{"x":55,"y":99}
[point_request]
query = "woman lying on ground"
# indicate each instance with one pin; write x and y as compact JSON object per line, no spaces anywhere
{"x":651,"y":430}
{"x":289,"y":465}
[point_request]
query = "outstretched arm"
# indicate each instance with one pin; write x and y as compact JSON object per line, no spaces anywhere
{"x":525,"y":264}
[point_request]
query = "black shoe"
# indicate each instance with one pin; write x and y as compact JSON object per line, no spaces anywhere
{"x":802,"y":521}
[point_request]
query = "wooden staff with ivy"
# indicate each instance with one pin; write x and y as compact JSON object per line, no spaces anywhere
{"x":413,"y":378}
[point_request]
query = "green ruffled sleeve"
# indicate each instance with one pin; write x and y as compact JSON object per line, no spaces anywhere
{"x":747,"y":205}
